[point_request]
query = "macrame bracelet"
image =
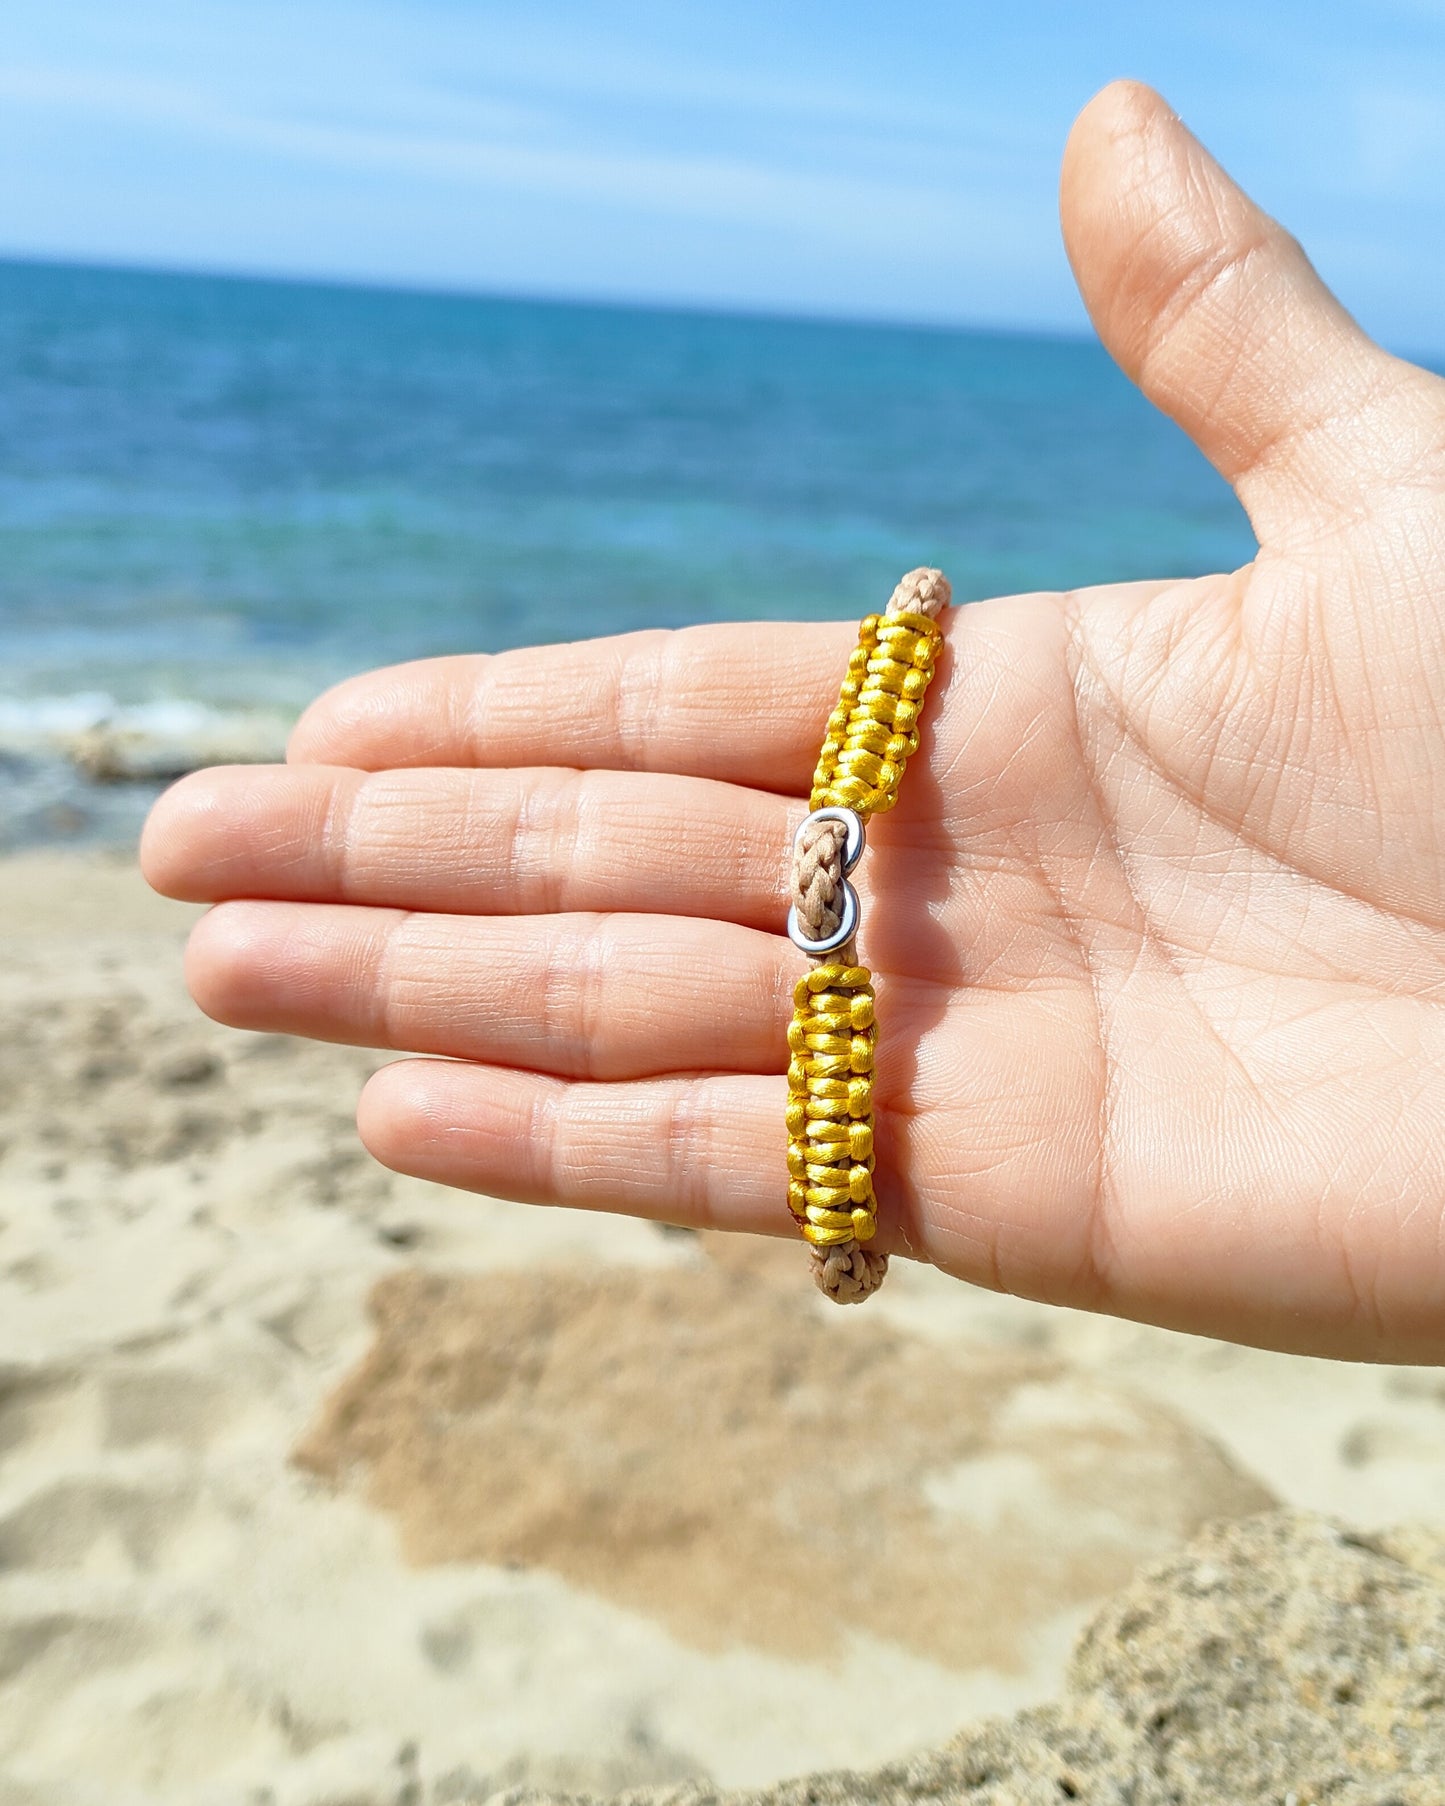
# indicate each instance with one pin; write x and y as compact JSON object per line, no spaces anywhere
{"x":870,"y":737}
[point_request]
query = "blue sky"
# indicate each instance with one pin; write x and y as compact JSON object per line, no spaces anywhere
{"x":855,"y":158}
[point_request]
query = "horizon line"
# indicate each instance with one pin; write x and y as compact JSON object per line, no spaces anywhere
{"x":699,"y":307}
{"x":1429,"y":358}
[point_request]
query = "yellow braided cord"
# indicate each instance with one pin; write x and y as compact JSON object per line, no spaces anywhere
{"x":830,"y":1105}
{"x":874,"y":730}
{"x":870,"y":737}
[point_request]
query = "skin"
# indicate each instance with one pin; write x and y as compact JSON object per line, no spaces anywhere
{"x":1158,"y":925}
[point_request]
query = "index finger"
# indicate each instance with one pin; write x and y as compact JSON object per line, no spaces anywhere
{"x":745,"y":702}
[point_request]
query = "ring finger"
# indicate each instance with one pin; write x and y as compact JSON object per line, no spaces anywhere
{"x":580,"y":995}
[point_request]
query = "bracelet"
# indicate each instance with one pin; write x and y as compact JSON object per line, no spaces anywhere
{"x":869,"y":739}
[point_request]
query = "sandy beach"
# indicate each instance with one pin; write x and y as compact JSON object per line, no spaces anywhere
{"x":312,"y":1474}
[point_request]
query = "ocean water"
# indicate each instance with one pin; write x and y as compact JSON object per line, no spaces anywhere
{"x":219,"y":495}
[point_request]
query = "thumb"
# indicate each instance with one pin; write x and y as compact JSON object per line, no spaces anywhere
{"x":1215,"y":311}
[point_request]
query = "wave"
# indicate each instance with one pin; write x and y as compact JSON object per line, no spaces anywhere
{"x":104,"y":741}
{"x":41,"y":720}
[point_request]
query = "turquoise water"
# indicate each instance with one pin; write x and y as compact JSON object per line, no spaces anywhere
{"x":217,"y":496}
{"x":229,"y":491}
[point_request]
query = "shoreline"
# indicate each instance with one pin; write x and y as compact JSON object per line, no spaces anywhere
{"x":81,"y":772}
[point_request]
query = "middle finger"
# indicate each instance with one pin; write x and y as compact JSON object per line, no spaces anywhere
{"x":510,"y":842}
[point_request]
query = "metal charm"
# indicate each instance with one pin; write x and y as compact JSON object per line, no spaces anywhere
{"x":851,"y":912}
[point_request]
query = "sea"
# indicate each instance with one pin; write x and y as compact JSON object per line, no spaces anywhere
{"x":218,"y":495}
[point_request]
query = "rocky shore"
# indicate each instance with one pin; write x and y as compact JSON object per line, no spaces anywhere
{"x":82,"y":771}
{"x":1279,"y":1661}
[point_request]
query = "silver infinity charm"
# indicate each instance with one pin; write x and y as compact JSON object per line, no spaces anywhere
{"x":851,"y":912}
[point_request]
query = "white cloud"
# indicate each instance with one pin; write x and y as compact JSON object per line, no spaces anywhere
{"x":503,"y":147}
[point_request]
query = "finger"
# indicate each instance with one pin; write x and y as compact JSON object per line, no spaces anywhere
{"x":709,"y":1150}
{"x":529,"y":842}
{"x":595,"y":996}
{"x":1214,"y":310}
{"x":706,"y":1152}
{"x":742,"y":703}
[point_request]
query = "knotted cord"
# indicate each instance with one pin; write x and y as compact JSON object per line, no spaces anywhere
{"x":870,"y":737}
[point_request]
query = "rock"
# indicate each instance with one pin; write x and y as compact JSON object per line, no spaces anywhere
{"x":189,"y":1069}
{"x":1277,"y":1661}
{"x":113,"y":753}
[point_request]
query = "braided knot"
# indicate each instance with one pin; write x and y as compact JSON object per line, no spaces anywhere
{"x":848,"y":1273}
{"x":818,"y":877}
{"x":921,"y":592}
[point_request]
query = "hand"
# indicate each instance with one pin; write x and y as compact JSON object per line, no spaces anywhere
{"x":1159,"y":924}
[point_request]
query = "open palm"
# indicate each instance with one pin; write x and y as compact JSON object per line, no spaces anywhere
{"x":1158,"y":925}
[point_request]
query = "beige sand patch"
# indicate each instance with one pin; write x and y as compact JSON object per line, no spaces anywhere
{"x":702,"y":1445}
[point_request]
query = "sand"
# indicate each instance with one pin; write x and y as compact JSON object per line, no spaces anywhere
{"x":309,"y":1473}
{"x":1279,"y":1660}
